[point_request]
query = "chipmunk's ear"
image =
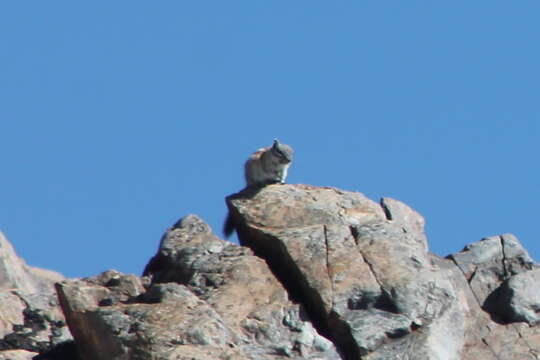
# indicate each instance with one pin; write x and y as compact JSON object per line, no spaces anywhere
{"x":276,"y":143}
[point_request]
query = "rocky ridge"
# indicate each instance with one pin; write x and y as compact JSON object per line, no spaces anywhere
{"x":321,"y":273}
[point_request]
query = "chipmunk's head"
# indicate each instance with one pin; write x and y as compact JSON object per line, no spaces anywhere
{"x":282,"y":151}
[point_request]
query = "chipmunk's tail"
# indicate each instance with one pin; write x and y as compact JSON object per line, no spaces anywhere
{"x":229,"y":226}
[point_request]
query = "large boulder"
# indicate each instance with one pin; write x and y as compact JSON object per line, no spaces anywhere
{"x":366,"y":278}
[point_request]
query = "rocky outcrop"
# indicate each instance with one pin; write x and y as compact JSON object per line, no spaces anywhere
{"x":361,"y":269}
{"x":203,"y":298}
{"x":31,"y":321}
{"x":320,"y":274}
{"x":363,"y":272}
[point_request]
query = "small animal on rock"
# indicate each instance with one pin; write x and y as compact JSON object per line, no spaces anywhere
{"x":265,"y":166}
{"x":268,"y":165}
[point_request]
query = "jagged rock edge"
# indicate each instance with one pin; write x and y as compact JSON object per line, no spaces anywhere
{"x":347,"y":348}
{"x":506,"y":275}
{"x":468,"y":281}
{"x":315,"y":309}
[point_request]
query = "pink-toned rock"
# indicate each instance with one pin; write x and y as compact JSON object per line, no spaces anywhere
{"x":324,"y":274}
{"x":11,"y":312}
{"x":205,"y":298}
{"x":15,"y":274}
{"x":31,"y":321}
{"x":363,"y":272}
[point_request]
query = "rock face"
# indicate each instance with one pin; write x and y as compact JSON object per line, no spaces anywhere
{"x":202,"y":298}
{"x":31,"y":321}
{"x":321,"y":274}
{"x":365,"y":276}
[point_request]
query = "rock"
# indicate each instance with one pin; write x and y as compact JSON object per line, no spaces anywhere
{"x":11,"y":312}
{"x":361,"y":269}
{"x":442,"y":337}
{"x":322,"y":274}
{"x":16,"y":355}
{"x":365,"y":276}
{"x":205,"y":298}
{"x":41,"y":327}
{"x":407,"y":218}
{"x":15,"y":274}
{"x":487,"y":263}
{"x":31,"y":321}
{"x":138,"y":330}
{"x":518,"y":298}
{"x":486,"y":266}
{"x":371,"y":328}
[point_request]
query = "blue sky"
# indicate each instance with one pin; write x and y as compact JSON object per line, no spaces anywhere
{"x":118,"y":118}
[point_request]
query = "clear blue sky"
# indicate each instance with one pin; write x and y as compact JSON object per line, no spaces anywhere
{"x":117,"y":118}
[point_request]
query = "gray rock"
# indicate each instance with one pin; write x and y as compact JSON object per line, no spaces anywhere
{"x":42,"y":327}
{"x":371,"y":328}
{"x":519,"y":298}
{"x":205,"y":298}
{"x":487,"y":263}
{"x":487,"y":266}
{"x":443,"y":332}
{"x":361,"y":269}
{"x":325,"y":274}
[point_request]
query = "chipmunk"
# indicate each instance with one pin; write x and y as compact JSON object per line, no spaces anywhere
{"x":268,"y":165}
{"x":265,"y":166}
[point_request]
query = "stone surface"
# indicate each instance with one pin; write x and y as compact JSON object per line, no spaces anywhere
{"x":31,"y":321}
{"x":205,"y":298}
{"x":15,"y":274}
{"x":487,"y":263}
{"x":16,"y":355}
{"x":518,"y":298}
{"x":361,"y":269}
{"x":323,"y":274}
{"x":38,"y":324}
{"x":364,"y":274}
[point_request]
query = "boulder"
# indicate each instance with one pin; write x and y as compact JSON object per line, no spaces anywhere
{"x":203,"y":298}
{"x":518,"y":298}
{"x":363,"y":272}
{"x":487,"y":263}
{"x":361,"y":269}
